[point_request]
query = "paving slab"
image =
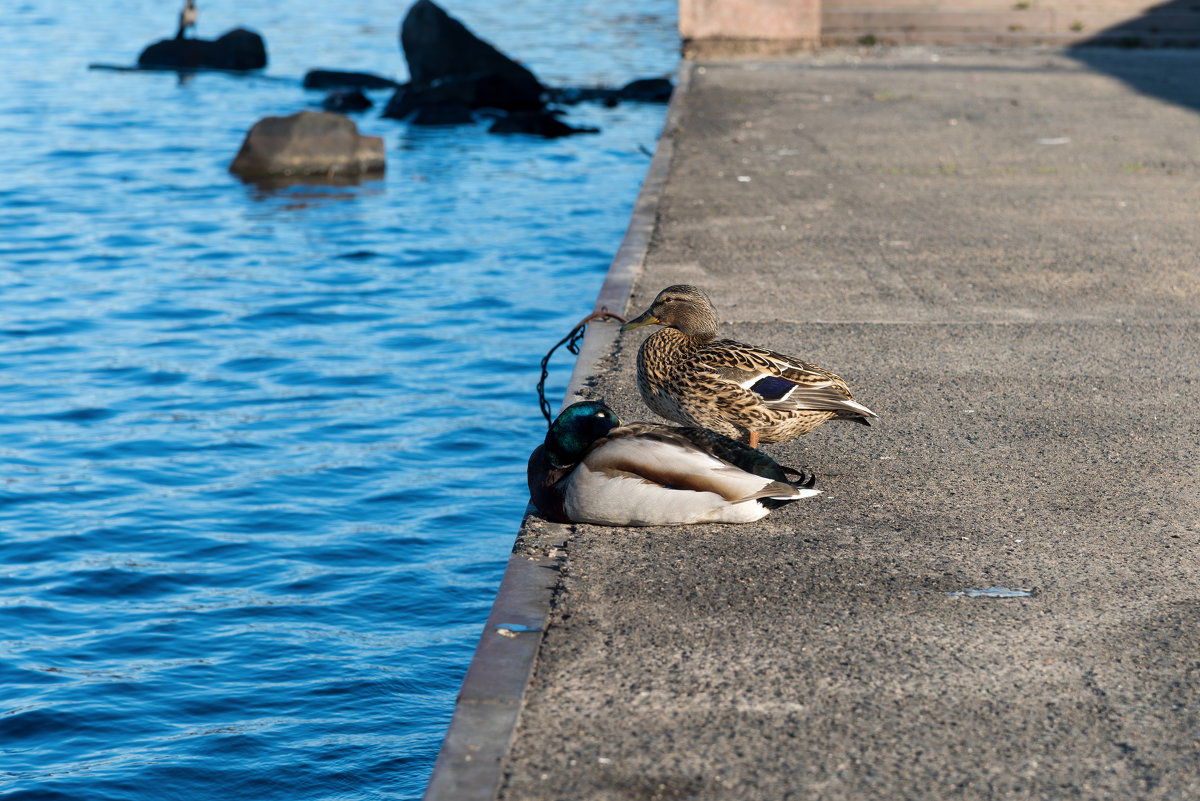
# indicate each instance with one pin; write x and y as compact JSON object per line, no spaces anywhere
{"x":996,"y":596}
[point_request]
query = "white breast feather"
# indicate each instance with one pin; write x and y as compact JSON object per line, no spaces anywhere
{"x":627,"y":500}
{"x":607,"y":489}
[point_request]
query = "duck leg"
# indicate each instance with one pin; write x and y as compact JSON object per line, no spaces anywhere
{"x":753,"y":438}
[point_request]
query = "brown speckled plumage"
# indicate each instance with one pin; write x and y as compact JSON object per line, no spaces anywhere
{"x":687,"y":375}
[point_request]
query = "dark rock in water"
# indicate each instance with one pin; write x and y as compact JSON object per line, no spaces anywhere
{"x":643,"y":90}
{"x":541,"y":123}
{"x":346,"y":100}
{"x":239,"y":49}
{"x":310,"y":143}
{"x":439,"y":48}
{"x":336,"y":79}
{"x":566,"y":95}
{"x":443,"y":115}
{"x":408,"y":99}
{"x":647,"y":90}
{"x":484,"y":91}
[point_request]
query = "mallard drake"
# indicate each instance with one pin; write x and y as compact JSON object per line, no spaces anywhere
{"x":594,"y":469}
{"x":687,"y":375}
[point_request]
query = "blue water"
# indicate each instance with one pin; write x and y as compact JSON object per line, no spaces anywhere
{"x":263,"y":452}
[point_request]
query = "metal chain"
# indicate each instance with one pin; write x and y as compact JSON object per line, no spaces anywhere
{"x":572,"y":341}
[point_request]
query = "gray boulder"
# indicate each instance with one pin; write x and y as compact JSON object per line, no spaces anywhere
{"x":310,"y":143}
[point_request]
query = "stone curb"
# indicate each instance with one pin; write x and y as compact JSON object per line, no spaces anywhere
{"x":470,"y":764}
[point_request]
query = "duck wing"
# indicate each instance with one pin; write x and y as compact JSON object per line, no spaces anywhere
{"x":742,"y":456}
{"x":780,"y":382}
{"x":688,"y":459}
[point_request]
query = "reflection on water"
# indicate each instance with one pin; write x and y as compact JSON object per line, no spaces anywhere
{"x":264,"y":447}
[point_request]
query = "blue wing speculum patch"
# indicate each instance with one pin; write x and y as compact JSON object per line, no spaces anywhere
{"x":772,"y":387}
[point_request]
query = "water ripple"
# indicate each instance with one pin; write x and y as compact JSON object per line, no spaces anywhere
{"x":265,"y":450}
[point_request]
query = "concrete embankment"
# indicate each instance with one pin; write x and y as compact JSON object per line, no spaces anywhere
{"x":996,"y":597}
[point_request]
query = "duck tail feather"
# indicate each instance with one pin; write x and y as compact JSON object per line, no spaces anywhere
{"x":802,"y":479}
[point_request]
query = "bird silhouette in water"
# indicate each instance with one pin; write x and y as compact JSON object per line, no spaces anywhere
{"x":187,"y":17}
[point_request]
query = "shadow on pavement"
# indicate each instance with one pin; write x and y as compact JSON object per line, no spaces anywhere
{"x":1157,"y":52}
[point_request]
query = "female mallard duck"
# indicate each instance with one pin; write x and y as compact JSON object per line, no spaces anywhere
{"x":687,"y":375}
{"x":593,"y":469}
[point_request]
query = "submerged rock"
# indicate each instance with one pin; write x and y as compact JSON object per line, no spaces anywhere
{"x":310,"y":143}
{"x":442,"y":115}
{"x":337,"y":79}
{"x":484,"y":91}
{"x":346,"y":100}
{"x":238,"y":49}
{"x":647,"y":90}
{"x":540,"y":123}
{"x":643,"y":90}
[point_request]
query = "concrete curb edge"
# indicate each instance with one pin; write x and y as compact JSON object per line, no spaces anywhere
{"x":470,"y":764}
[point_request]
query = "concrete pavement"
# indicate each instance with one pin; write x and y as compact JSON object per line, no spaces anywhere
{"x":1000,"y":252}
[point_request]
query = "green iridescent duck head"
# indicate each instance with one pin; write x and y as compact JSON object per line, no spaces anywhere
{"x":574,"y":431}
